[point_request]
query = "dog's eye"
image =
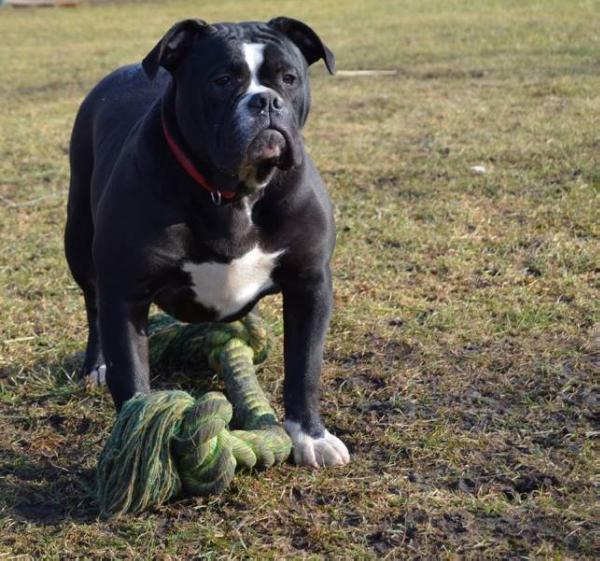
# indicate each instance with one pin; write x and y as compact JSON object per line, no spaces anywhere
{"x":289,"y":79}
{"x":222,"y":80}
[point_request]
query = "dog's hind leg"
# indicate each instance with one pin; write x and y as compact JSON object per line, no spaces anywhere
{"x":94,"y":367}
{"x":79,"y":235}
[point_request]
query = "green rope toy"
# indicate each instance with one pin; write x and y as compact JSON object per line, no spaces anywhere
{"x":166,"y":443}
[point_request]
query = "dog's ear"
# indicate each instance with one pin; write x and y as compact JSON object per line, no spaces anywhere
{"x":306,"y":40}
{"x":171,"y":48}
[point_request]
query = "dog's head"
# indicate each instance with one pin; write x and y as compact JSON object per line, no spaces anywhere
{"x":241,"y":93}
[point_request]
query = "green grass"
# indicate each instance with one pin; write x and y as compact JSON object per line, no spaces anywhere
{"x":461,"y":367}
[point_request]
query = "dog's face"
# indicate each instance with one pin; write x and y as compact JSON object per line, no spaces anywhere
{"x":241,"y":93}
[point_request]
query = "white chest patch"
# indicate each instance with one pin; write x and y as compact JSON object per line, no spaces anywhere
{"x":228,"y":287}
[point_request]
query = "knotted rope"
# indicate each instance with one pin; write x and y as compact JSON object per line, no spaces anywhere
{"x":166,"y":443}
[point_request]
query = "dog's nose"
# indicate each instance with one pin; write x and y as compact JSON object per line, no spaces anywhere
{"x":263,"y":101}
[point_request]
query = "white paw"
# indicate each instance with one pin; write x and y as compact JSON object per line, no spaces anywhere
{"x":97,"y":377}
{"x":327,"y":450}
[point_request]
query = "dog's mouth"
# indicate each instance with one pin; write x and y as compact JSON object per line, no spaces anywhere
{"x":270,"y":149}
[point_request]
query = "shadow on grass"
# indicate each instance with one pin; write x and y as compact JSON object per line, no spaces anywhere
{"x":43,"y":477}
{"x":43,"y":493}
{"x":53,"y":430}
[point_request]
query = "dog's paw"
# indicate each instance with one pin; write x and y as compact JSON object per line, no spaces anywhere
{"x":96,"y":377}
{"x":327,"y":450}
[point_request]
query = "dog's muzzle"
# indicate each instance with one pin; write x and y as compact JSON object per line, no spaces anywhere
{"x":267,"y":147}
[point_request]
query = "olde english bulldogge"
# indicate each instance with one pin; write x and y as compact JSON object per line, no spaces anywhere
{"x":191,"y":189}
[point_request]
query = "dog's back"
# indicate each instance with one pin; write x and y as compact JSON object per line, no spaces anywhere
{"x":105,"y":119}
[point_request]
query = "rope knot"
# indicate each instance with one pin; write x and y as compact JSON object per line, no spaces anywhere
{"x":166,"y":442}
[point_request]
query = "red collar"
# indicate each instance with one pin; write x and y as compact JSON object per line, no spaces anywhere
{"x":191,"y":169}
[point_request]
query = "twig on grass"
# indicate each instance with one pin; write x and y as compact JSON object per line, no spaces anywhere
{"x":360,"y":73}
{"x":11,"y":204}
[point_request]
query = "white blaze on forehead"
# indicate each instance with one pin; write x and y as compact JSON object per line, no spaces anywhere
{"x":254,"y":56}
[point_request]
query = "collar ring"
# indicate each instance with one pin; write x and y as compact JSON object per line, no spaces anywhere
{"x":216,"y":197}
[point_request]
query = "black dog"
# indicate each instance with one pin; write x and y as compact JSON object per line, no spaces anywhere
{"x":190,"y":188}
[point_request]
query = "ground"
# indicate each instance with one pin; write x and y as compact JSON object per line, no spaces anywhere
{"x":462,"y":363}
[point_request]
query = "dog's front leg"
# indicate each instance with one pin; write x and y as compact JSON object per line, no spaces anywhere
{"x":125,"y":345}
{"x":306,"y":310}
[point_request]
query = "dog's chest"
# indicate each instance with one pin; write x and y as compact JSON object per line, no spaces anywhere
{"x":228,"y":287}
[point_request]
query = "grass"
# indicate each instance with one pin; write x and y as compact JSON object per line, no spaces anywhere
{"x":461,"y":367}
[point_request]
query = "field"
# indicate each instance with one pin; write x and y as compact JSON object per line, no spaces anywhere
{"x":463,"y":358}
